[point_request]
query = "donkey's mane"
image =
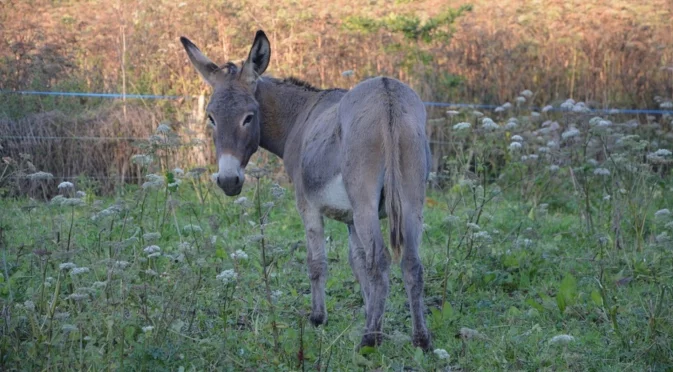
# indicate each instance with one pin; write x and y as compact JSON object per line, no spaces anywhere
{"x":300,"y":83}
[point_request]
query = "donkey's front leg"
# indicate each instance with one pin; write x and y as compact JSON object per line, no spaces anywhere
{"x":316,"y":261}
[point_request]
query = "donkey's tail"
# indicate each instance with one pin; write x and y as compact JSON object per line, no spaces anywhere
{"x":392,"y":177}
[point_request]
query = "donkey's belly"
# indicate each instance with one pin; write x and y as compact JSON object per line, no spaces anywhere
{"x":332,"y":201}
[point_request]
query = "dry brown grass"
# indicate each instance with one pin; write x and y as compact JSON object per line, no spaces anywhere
{"x":607,"y":53}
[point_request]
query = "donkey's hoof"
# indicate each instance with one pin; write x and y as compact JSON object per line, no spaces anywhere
{"x":423,"y":341}
{"x":370,"y":340}
{"x":318,"y":319}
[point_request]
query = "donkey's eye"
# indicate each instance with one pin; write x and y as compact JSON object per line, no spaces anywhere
{"x":248,"y":119}
{"x":211,"y":122}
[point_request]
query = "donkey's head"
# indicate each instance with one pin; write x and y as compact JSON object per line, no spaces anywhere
{"x":233,"y":110}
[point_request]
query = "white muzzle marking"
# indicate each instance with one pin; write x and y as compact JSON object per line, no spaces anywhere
{"x":230,"y":166}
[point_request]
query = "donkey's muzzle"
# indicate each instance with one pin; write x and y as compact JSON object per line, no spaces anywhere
{"x":230,"y":185}
{"x":230,"y":178}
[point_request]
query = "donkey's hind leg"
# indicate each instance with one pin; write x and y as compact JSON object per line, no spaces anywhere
{"x":356,"y":258}
{"x":412,"y":272}
{"x":365,"y":199}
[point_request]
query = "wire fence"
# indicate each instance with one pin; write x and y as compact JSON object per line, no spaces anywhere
{"x":446,"y":105}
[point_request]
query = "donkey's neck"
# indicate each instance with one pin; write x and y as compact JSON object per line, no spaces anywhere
{"x":281,"y":102}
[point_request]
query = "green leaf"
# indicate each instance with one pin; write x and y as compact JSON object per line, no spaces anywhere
{"x":568,"y":289}
{"x":419,"y":356}
{"x":535,"y":305}
{"x":447,"y":311}
{"x":561,"y":303}
{"x":596,"y":297}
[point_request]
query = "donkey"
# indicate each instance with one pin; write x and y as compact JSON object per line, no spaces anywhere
{"x":354,"y":156}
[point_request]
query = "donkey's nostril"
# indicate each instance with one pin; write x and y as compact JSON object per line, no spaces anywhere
{"x":238,"y":180}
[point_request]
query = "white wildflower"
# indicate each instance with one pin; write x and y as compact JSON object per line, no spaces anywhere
{"x":227,"y":276}
{"x":570,"y":133}
{"x":511,"y":124}
{"x":347,"y":73}
{"x":524,"y":158}
{"x":663,"y":238}
{"x":553,"y":168}
{"x":547,"y":108}
{"x":213,"y":177}
{"x":520,"y":99}
{"x":57,"y":200}
{"x":533,"y":157}
{"x":517,"y":138}
{"x":242,"y":202}
{"x":562,"y":339}
{"x":666,"y":105}
{"x":580,"y":107}
{"x":602,"y":172}
{"x":473,"y":226}
{"x":150,"y":272}
{"x":141,"y":159}
{"x":178,"y":172}
{"x":72,"y":202}
{"x":151,"y":236}
{"x":193,"y":229}
{"x":67,"y":266}
{"x":477,"y":113}
{"x":68,"y":328}
{"x":155,"y":254}
{"x":527,"y":93}
{"x":441,"y":353}
{"x":40,"y":176}
{"x":276,"y":295}
{"x":514,"y":146}
{"x":66,"y":185}
{"x":543,"y":149}
{"x":163,"y":128}
{"x":552,"y":144}
{"x":79,"y":270}
{"x":78,"y":297}
{"x":154,"y":181}
{"x":663,"y":152}
{"x":568,"y":104}
{"x":499,"y":109}
{"x":604,"y":123}
{"x":482,"y":236}
{"x":152,"y":249}
{"x":452,"y":112}
{"x":99,"y":284}
{"x":489,"y":124}
{"x":462,"y":126}
{"x":62,"y":315}
{"x":80,"y":194}
{"x":147,"y":328}
{"x":29,"y":305}
{"x":239,"y":255}
{"x":662,"y":213}
{"x":469,"y":333}
{"x":451,"y":220}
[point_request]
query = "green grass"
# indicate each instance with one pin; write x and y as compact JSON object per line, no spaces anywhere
{"x":538,"y":276}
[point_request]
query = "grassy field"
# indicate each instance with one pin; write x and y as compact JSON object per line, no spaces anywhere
{"x":539,"y":254}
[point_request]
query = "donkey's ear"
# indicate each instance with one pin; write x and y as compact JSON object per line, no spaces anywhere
{"x":258,"y":59}
{"x":208,"y":70}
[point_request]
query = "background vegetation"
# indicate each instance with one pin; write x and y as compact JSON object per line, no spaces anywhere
{"x":548,"y":228}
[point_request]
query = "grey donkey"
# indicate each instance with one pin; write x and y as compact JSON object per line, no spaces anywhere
{"x":355,"y":156}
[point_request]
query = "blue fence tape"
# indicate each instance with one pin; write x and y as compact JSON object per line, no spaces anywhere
{"x":430,"y":104}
